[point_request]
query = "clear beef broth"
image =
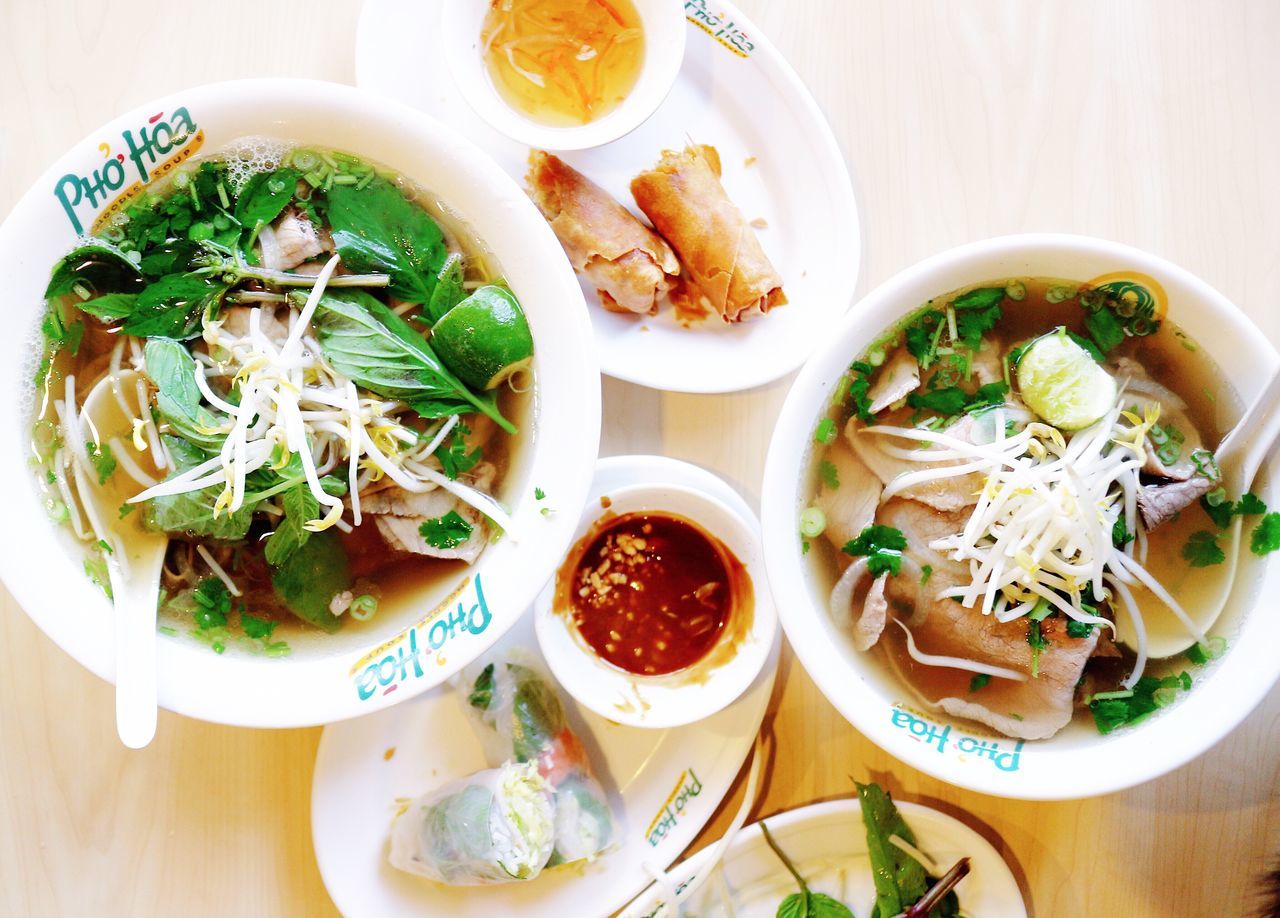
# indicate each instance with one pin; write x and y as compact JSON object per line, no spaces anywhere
{"x":397,"y":579}
{"x":1171,"y":359}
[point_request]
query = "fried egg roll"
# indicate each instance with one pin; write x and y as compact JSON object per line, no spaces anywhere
{"x":630,"y":265}
{"x":683,"y":198}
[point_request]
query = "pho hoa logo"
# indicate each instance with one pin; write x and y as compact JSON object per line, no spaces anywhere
{"x":144,"y":153}
{"x":687,"y":787}
{"x":720,"y":26}
{"x":409,"y":655}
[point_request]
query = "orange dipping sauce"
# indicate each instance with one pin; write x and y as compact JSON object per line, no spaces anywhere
{"x":651,"y":593}
{"x":563,"y":62}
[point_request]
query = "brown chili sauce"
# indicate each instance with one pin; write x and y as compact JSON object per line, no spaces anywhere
{"x":650,"y":592}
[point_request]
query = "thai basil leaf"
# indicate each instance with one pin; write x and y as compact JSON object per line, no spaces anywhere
{"x":172,"y":306}
{"x":178,"y":399}
{"x":192,"y":512}
{"x":262,"y":199}
{"x":300,"y":508}
{"x":171,"y":257}
{"x":900,"y":880}
{"x":111,"y":307}
{"x":97,"y":269}
{"x":375,"y":348}
{"x":314,"y":573}
{"x":378,"y":229}
{"x":449,"y":291}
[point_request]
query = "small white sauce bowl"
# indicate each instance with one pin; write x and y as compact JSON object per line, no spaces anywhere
{"x":665,"y":32}
{"x":687,"y":695}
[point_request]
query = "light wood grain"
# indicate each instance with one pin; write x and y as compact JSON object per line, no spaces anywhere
{"x":1155,"y":123}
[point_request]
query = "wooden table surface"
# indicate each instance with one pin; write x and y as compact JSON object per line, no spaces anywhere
{"x":1155,"y":123}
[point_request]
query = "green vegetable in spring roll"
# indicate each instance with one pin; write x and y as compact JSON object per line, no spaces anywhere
{"x":495,"y":826}
{"x":522,"y":717}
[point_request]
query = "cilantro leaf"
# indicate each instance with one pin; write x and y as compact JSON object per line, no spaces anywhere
{"x":1149,"y":694}
{"x":972,"y":324}
{"x":1077,"y":629}
{"x":1202,"y":549}
{"x":255,"y":627}
{"x":882,"y":547}
{"x":980,"y":681}
{"x":830,"y":476}
{"x":1220,"y":513}
{"x":1088,"y":345}
{"x":981,"y":298}
{"x":103,"y":460}
{"x":1105,"y":329}
{"x":1120,"y":534}
{"x":1249,"y":505}
{"x":948,"y":401}
{"x":448,"y":531}
{"x":1266,"y":535}
{"x":922,"y":336}
{"x":858,"y":388}
{"x":988,"y":396}
{"x":454,"y":458}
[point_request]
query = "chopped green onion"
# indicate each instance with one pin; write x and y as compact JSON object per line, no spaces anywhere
{"x":363,"y":607}
{"x":825,"y":433}
{"x":812,"y":522}
{"x":1016,"y":290}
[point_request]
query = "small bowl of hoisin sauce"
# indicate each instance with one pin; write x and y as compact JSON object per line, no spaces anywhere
{"x":660,"y":614}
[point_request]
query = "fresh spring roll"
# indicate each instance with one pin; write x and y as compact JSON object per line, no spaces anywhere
{"x":630,"y":265}
{"x":495,"y":826}
{"x":521,"y":717}
{"x":683,"y":198}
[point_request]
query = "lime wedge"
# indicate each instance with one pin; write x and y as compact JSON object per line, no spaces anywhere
{"x":485,"y":338}
{"x":1064,"y":385}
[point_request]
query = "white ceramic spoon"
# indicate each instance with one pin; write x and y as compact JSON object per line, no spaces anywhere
{"x":135,"y":560}
{"x":1239,"y":457}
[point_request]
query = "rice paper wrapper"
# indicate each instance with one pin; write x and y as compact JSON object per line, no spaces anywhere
{"x":520,"y":716}
{"x":495,"y":826}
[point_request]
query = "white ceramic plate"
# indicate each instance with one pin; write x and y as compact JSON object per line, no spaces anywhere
{"x":436,"y":632}
{"x":828,"y":844}
{"x":664,"y":784}
{"x":735,"y":92}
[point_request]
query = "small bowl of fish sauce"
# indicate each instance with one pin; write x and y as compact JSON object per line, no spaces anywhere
{"x":563,"y":74}
{"x":663,"y":590}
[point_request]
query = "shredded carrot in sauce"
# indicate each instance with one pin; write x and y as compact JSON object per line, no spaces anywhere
{"x":563,"y":62}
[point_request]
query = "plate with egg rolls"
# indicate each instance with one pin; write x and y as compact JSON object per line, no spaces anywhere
{"x":714,"y":242}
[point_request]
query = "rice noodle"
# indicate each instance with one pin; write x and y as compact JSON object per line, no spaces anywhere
{"x":128,"y":464}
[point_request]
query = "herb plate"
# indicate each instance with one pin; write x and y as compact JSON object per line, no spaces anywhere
{"x":781,"y":164}
{"x":828,"y":845}
{"x":663,"y":784}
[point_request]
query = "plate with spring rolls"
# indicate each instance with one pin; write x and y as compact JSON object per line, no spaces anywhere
{"x":713,"y":242}
{"x":531,"y":806}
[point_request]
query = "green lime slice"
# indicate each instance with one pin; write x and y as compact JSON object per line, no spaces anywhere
{"x":484,"y":339}
{"x":1064,"y":385}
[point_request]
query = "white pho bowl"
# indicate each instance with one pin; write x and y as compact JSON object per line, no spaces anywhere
{"x":686,"y":695}
{"x":1077,"y":762}
{"x":407,"y":651}
{"x":665,"y":33}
